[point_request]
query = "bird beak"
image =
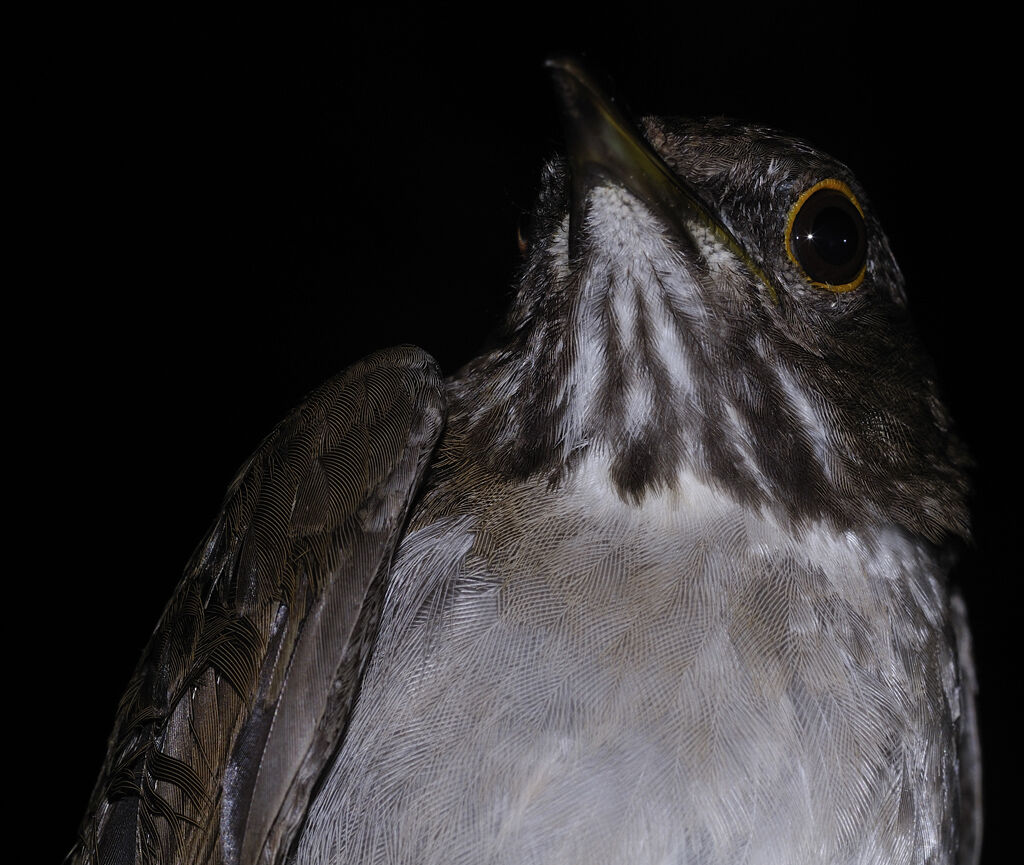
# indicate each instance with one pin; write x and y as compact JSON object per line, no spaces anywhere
{"x":605,"y":147}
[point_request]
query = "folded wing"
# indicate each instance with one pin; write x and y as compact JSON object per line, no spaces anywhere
{"x":243,"y":693}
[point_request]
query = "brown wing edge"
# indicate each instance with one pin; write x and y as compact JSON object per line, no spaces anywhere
{"x":245,"y":687}
{"x":971,"y":813}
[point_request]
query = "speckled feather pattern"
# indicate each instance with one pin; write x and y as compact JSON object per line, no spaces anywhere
{"x":824,"y":404}
{"x":669,"y":585}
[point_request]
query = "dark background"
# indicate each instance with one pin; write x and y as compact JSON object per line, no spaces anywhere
{"x":221,"y":213}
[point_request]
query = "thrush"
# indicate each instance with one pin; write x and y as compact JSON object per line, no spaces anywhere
{"x":661,"y":578}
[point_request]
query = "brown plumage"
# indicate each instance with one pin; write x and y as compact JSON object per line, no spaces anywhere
{"x":660,"y":578}
{"x":246,"y":684}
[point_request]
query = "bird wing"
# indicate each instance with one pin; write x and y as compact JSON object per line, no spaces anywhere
{"x":244,"y":690}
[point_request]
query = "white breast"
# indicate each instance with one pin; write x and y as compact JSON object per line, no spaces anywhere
{"x":572,"y":679}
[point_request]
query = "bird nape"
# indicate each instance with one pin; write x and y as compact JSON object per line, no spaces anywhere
{"x":662,"y":577}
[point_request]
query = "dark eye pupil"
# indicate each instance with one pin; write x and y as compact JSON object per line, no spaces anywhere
{"x":834,"y":235}
{"x":828,"y":238}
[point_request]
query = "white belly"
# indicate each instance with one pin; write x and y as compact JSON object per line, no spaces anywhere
{"x":676,"y":683}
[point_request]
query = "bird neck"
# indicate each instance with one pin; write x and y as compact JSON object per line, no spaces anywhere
{"x":597,"y":365}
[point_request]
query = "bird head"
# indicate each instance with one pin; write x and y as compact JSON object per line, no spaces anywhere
{"x":717,"y":300}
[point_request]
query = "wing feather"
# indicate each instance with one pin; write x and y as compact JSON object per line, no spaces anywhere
{"x":244,"y":690}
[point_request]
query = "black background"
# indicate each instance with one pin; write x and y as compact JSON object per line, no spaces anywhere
{"x":221,"y":213}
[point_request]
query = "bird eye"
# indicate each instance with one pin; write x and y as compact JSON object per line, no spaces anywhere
{"x":825,"y":236}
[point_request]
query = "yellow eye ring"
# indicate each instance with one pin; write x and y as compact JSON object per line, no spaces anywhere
{"x":826,"y":237}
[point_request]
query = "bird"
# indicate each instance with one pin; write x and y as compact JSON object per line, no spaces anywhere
{"x":662,"y":576}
